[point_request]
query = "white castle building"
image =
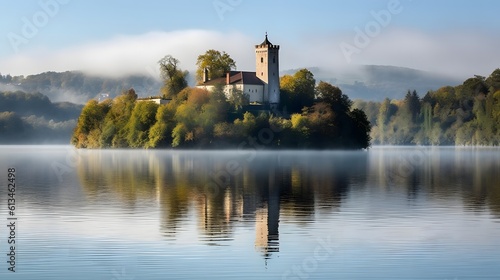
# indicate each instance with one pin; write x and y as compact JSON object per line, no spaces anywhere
{"x":262,"y":86}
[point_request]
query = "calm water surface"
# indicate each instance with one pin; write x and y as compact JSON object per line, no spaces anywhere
{"x":386,"y":213}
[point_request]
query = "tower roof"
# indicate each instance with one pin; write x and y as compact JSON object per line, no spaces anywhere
{"x":266,"y":43}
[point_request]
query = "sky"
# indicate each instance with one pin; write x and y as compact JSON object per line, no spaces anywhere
{"x":458,"y":38}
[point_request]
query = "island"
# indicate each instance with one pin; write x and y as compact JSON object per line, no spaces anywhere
{"x":227,"y":109}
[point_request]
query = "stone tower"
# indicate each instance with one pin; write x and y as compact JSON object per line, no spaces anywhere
{"x":267,"y":70}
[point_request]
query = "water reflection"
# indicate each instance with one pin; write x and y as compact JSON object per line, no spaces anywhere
{"x":237,"y":189}
{"x":254,"y":190}
{"x":441,"y":173}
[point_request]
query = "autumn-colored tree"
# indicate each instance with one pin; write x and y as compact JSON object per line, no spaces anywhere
{"x":89,"y":126}
{"x":297,"y":91}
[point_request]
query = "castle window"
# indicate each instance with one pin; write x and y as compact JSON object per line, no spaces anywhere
{"x":262,"y":73}
{"x":274,"y":59}
{"x":261,"y":60}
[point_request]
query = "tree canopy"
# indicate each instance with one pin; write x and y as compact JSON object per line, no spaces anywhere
{"x":298,"y":90}
{"x":215,"y":62}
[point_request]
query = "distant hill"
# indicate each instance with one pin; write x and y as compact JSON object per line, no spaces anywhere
{"x":368,"y":82}
{"x":31,"y":118}
{"x":77,"y":87}
{"x":373,"y":82}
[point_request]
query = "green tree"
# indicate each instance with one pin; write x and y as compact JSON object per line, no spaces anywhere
{"x":174,"y":79}
{"x":160,"y":134}
{"x":493,"y":81}
{"x":140,"y":122}
{"x":114,"y":128}
{"x":215,"y":62}
{"x":333,"y":96}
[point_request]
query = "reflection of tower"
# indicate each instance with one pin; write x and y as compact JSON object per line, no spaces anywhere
{"x":267,"y":222}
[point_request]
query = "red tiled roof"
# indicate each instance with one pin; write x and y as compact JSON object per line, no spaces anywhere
{"x":236,"y":77}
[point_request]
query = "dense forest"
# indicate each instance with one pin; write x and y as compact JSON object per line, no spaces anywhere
{"x":27,"y":118}
{"x":467,"y":114}
{"x":312,"y":116}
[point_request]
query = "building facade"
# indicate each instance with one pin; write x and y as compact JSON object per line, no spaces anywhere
{"x":262,"y":86}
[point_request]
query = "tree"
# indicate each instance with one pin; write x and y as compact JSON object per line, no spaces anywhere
{"x":493,"y":81}
{"x":238,"y":99}
{"x":333,"y":96}
{"x":385,"y":113}
{"x":90,"y":124}
{"x":298,"y":91}
{"x":174,"y":79}
{"x":412,"y":105}
{"x":360,"y":134}
{"x":215,"y":62}
{"x":141,"y":120}
{"x":160,"y":134}
{"x":114,"y":128}
{"x":12,"y":127}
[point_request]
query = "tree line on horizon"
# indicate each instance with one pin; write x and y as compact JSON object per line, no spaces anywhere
{"x":311,"y":116}
{"x":77,"y":86}
{"x":464,"y":115}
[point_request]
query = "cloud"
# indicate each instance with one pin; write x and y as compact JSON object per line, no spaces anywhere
{"x":131,"y":54}
{"x":457,"y":53}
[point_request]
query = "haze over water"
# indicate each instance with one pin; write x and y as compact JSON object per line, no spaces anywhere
{"x":386,"y":213}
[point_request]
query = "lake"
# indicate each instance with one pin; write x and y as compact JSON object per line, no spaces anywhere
{"x":385,"y":213}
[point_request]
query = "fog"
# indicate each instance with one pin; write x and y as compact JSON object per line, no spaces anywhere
{"x":457,"y":53}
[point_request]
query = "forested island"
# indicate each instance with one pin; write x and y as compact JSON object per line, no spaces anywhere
{"x":311,"y":117}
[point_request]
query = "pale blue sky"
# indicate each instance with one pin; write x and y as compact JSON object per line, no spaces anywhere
{"x":439,"y":35}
